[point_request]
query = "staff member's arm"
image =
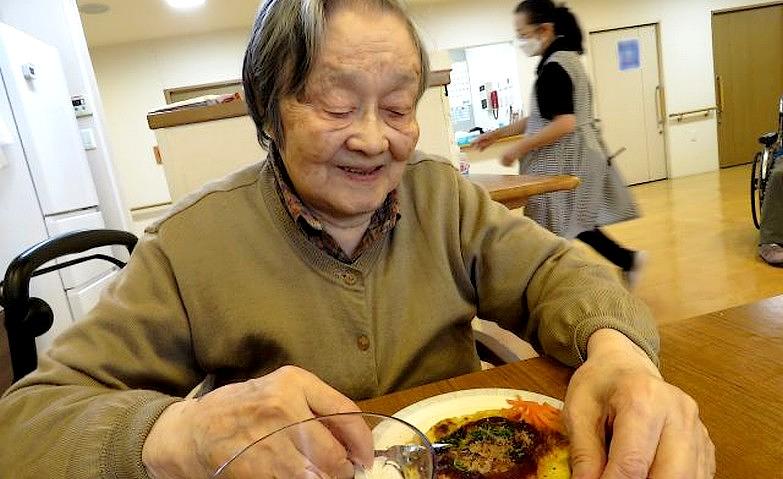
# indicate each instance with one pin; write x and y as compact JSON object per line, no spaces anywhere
{"x":561,"y":126}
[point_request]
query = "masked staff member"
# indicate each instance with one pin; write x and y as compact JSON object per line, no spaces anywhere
{"x":562,"y":138}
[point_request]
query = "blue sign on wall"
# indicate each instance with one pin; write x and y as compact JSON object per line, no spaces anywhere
{"x":629,"y":55}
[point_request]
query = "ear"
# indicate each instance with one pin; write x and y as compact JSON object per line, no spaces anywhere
{"x":549,"y":30}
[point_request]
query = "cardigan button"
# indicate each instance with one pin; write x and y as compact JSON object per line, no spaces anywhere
{"x":363,"y":342}
{"x":349,"y":278}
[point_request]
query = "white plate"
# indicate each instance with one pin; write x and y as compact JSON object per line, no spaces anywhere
{"x":428,"y":412}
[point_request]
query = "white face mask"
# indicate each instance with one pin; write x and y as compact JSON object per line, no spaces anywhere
{"x":530,"y":46}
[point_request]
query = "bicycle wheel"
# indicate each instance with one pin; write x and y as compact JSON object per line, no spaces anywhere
{"x":756,"y":189}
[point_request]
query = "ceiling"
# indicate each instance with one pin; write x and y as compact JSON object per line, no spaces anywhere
{"x":136,"y":20}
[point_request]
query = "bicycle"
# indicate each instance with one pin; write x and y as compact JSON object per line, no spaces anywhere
{"x":763,"y":164}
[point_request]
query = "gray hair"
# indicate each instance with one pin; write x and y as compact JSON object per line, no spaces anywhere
{"x":282,"y":49}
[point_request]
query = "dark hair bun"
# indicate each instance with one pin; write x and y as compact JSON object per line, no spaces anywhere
{"x":566,"y":25}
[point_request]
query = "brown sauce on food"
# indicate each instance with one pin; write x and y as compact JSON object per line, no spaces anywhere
{"x":442,"y":428}
{"x":492,"y":448}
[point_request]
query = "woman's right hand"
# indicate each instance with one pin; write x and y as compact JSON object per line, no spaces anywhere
{"x":486,"y":140}
{"x":192,"y":438}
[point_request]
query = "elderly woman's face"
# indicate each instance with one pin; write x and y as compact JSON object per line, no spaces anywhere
{"x":348,"y":137}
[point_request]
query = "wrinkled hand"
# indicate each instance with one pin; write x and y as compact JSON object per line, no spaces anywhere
{"x":654,"y":427}
{"x":485,"y":140}
{"x":192,"y":438}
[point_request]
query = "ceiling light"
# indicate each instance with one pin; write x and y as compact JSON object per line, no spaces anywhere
{"x":93,"y":8}
{"x":184,"y":4}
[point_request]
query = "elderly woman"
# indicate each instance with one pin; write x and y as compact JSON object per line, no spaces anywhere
{"x":343,"y":267}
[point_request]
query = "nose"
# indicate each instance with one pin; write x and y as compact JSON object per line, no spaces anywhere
{"x":369,"y":137}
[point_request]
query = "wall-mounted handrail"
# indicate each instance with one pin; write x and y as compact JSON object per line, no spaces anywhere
{"x":705,"y":112}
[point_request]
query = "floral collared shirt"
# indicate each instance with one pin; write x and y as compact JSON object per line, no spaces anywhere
{"x":383,"y":219}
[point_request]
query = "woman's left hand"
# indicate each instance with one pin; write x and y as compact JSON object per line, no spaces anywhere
{"x":513,"y":154}
{"x":654,"y":427}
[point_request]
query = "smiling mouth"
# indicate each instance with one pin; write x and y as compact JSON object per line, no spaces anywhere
{"x":361,"y":171}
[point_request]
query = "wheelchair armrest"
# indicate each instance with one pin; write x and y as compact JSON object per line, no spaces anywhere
{"x":16,"y":284}
{"x":26,"y":317}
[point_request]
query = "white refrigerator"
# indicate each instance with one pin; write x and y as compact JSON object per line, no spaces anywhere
{"x":46,"y":187}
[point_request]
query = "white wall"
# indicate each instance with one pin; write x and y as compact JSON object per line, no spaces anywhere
{"x":686,"y":50}
{"x":132,"y":78}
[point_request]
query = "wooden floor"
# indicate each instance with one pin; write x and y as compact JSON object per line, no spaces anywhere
{"x":702,"y":245}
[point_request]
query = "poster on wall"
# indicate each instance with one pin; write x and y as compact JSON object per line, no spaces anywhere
{"x":628,"y":54}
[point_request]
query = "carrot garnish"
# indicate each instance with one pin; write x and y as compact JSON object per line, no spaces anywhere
{"x":540,"y":416}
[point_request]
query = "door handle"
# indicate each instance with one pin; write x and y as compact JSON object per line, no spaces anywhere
{"x":659,"y":113}
{"x":158,"y":155}
{"x":719,"y":94}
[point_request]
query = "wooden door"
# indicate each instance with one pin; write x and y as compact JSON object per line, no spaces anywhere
{"x":629,"y":100}
{"x":748,"y":51}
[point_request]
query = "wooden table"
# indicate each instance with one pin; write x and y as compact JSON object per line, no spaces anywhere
{"x":514,"y":190}
{"x":731,"y":362}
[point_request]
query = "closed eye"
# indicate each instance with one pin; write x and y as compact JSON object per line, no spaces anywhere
{"x":398,"y":112}
{"x":338,"y":114}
